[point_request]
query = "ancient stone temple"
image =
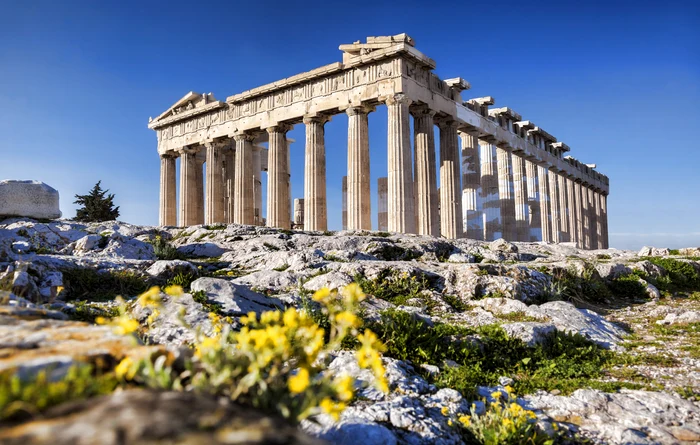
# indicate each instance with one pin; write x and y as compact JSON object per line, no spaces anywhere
{"x":500,"y":176}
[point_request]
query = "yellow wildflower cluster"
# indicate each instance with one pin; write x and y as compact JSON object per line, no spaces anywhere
{"x":504,"y":421}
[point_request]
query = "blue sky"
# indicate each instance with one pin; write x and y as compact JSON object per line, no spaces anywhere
{"x":619,"y":82}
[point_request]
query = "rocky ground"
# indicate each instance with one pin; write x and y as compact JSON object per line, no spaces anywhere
{"x":637,"y":378}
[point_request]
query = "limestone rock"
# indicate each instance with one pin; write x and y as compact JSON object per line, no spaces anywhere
{"x":234,"y":299}
{"x":501,"y":245}
{"x":566,"y":317}
{"x":87,"y":244}
{"x":202,"y":250}
{"x":31,"y":199}
{"x":684,"y":318}
{"x":169,"y":268}
{"x":149,"y":417}
{"x":653,"y":251}
{"x":531,"y":333}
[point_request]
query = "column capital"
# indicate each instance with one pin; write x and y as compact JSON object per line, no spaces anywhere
{"x":170,"y":155}
{"x":446,"y":123}
{"x":244,"y":137}
{"x":189,"y":149}
{"x":218,"y":144}
{"x":357,"y":110}
{"x":400,"y":99}
{"x":279,"y":128}
{"x":422,"y":111}
{"x":318,"y":118}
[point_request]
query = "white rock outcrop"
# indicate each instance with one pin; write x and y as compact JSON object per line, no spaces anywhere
{"x":31,"y":199}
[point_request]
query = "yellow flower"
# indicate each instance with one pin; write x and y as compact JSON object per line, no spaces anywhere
{"x":509,"y":389}
{"x":508,"y":423}
{"x":445,"y":411}
{"x":464,"y":420}
{"x":347,"y":319}
{"x":291,"y":318}
{"x":299,"y":382}
{"x":345,"y":387}
{"x":151,"y":297}
{"x":123,"y":368}
{"x":333,"y":409}
{"x":321,"y":295}
{"x":125,"y":325}
{"x":206,"y":345}
{"x":496,"y":395}
{"x":270,"y":317}
{"x":151,"y":318}
{"x":449,"y":422}
{"x":174,"y":291}
{"x":59,"y":289}
{"x":353,"y":293}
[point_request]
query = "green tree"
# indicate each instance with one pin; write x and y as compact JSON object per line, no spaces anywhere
{"x":96,"y":206}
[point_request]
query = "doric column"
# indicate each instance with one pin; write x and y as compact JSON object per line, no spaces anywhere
{"x":604,"y":219}
{"x":580,"y":234}
{"x":571,"y":208}
{"x":188,"y":188}
{"x":229,"y":175}
{"x":450,"y":193}
{"x":315,"y":206}
{"x":489,"y":191}
{"x":505,"y":194}
{"x":425,"y":180}
{"x":593,"y":224}
{"x":359,"y":208}
{"x":400,"y":200}
{"x":382,"y":205}
{"x":522,"y":214}
{"x":533,"y":201}
{"x":585,"y":216}
{"x":244,"y":195}
{"x":554,"y":206}
{"x":257,"y":185}
{"x":545,"y":217}
{"x":471,"y":187}
{"x":201,"y":156}
{"x":345,"y":202}
{"x":278,"y":178}
{"x":168,"y":191}
{"x":215,"y":184}
{"x":299,"y":214}
{"x":563,"y":209}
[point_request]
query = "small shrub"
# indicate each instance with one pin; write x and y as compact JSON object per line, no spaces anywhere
{"x":337,"y":259}
{"x":271,"y":246}
{"x":182,"y":279}
{"x":91,"y":285}
{"x":23,"y":233}
{"x":164,"y":250}
{"x":391,"y":252}
{"x":682,"y":274}
{"x":395,"y":287}
{"x":627,"y":286}
{"x":201,"y":297}
{"x":215,"y":227}
{"x":455,"y":302}
{"x":281,"y":268}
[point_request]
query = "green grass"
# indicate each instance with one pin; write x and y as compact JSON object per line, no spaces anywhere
{"x":201,"y":297}
{"x":455,"y":302}
{"x":281,"y":268}
{"x":91,"y":285}
{"x":395,"y":287}
{"x":85,"y":311}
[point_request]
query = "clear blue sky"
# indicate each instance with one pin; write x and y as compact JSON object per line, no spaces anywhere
{"x":617,"y":81}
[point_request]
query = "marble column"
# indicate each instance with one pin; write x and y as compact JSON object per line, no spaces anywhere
{"x":215,"y":183}
{"x":554,"y":206}
{"x":278,"y":197}
{"x":257,"y":185}
{"x":168,"y":191}
{"x":564,"y":236}
{"x":359,"y":207}
{"x":382,"y":205}
{"x":598,"y":219}
{"x":450,"y":217}
{"x":201,"y":156}
{"x":578,"y":206}
{"x":425,"y":177}
{"x":471,"y":187}
{"x":571,"y":206}
{"x":585,"y":216}
{"x":593,"y":224}
{"x":604,"y":218}
{"x":244,"y":195}
{"x":505,"y":194}
{"x":315,"y":205}
{"x":489,"y":191}
{"x":545,"y":217}
{"x":533,"y":201}
{"x":229,"y":175}
{"x":188,"y":188}
{"x":522,"y":213}
{"x":400,"y":200}
{"x":345,"y":202}
{"x":299,"y":214}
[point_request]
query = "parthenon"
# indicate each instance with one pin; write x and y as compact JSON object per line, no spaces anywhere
{"x":516,"y":182}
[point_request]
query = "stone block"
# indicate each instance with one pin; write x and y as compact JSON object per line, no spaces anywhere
{"x":31,"y":199}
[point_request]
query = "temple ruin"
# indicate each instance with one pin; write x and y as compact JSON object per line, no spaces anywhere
{"x":515,"y":183}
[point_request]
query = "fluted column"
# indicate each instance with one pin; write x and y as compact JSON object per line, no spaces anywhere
{"x":563,"y":209}
{"x":522,"y":213}
{"x":168,"y":191}
{"x":315,"y":205}
{"x":571,"y":208}
{"x":545,"y":217}
{"x":586,"y":217}
{"x":299,"y":214}
{"x":229,"y":175}
{"x":425,"y":177}
{"x":188,"y":188}
{"x":593,"y":225}
{"x":359,"y":208}
{"x":244,"y":195}
{"x":489,"y":191}
{"x":400,"y":200}
{"x":580,"y":233}
{"x":471,"y":186}
{"x":215,"y":183}
{"x":505,"y":194}
{"x":554,"y":206}
{"x":201,"y":156}
{"x":278,"y":197}
{"x":533,"y":201}
{"x":382,"y":205}
{"x":604,"y":218}
{"x":450,"y":193}
{"x":257,"y":185}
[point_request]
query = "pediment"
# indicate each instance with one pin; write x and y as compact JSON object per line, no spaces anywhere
{"x":190,"y":104}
